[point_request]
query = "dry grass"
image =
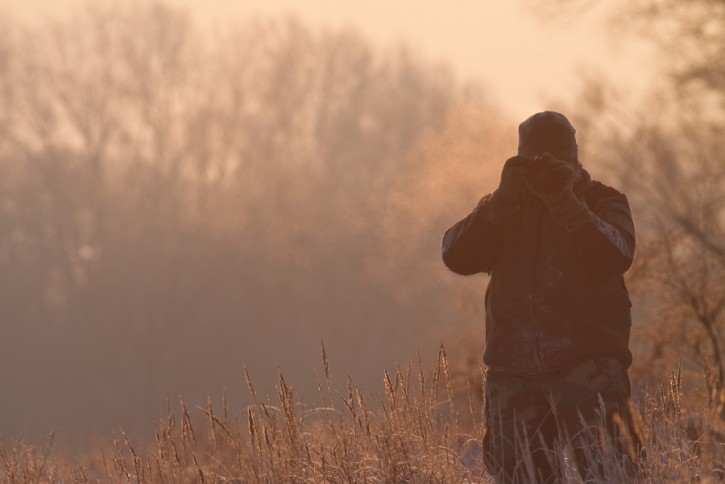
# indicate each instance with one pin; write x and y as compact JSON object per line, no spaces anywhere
{"x":410,"y":433}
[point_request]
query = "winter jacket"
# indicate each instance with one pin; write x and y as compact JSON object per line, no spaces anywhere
{"x":556,"y":295}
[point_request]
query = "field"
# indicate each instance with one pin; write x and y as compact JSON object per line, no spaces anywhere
{"x":418,"y":429}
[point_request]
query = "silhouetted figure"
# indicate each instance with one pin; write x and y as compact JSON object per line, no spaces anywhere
{"x":556,"y":244}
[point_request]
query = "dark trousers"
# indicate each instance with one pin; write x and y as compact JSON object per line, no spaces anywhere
{"x":539,"y":428}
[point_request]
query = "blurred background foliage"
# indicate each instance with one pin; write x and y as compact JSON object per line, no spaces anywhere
{"x":176,"y":204}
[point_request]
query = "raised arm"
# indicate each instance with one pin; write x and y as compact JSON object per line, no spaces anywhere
{"x":604,"y":232}
{"x":469,"y":246}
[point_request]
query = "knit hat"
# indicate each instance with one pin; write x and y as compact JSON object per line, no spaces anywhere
{"x":548,"y":131}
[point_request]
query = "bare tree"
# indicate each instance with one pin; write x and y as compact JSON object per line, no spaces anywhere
{"x":176,"y":202}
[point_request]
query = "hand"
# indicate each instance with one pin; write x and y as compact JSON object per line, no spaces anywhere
{"x":513,"y":179}
{"x":551,"y":179}
{"x":501,"y":205}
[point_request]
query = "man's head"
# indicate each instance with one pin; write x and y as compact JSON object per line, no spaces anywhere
{"x":548,"y":131}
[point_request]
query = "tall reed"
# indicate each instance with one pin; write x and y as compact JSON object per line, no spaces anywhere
{"x":411,"y":431}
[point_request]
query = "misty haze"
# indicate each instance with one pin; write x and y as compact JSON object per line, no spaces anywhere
{"x":187,"y":213}
{"x":177,"y":206}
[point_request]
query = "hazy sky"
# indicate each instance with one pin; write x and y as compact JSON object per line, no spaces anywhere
{"x":523,"y":59}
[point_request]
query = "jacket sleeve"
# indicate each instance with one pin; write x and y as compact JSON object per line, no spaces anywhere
{"x":603,"y":232}
{"x":469,"y":245}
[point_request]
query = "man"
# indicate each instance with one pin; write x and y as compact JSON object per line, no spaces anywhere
{"x":556,"y":244}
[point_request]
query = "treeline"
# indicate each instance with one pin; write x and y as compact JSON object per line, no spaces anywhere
{"x":176,"y":203}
